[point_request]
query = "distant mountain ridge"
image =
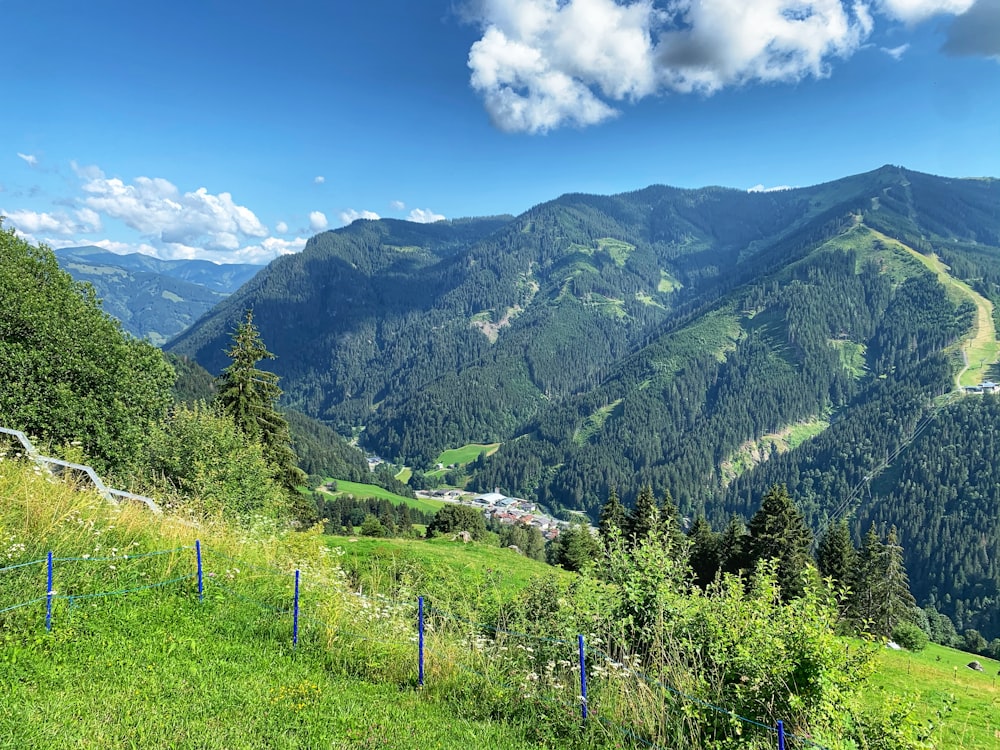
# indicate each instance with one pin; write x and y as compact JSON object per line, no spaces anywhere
{"x":710,"y":342}
{"x":154,"y":299}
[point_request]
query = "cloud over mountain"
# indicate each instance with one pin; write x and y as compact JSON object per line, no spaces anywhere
{"x":156,"y":207}
{"x":351,"y":215}
{"x":542,"y":64}
{"x":424,"y":216}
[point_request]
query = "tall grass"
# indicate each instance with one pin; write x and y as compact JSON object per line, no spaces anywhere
{"x":157,"y":667}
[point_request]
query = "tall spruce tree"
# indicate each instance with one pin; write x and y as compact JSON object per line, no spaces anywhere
{"x":643,"y":518}
{"x":613,"y":516}
{"x":866,"y":583}
{"x":249,"y":395}
{"x":734,"y":547}
{"x":670,"y":526}
{"x":898,"y":604}
{"x":882,"y":599}
{"x":779,"y":532}
{"x":836,"y":557}
{"x":705,"y":551}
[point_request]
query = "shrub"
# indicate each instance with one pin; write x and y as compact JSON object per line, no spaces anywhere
{"x":910,"y":636}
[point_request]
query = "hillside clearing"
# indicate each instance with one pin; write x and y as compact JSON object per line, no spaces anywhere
{"x":980,"y":348}
{"x":380,"y":493}
{"x":466,"y":454}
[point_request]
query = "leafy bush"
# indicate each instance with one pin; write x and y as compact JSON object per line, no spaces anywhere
{"x":910,"y":636}
{"x":454,"y":518}
{"x":69,"y":371}
{"x":218,"y":470}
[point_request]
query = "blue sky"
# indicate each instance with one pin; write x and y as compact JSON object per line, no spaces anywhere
{"x":235,"y":130}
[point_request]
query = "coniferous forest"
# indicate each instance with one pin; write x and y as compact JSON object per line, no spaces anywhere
{"x":713,"y":343}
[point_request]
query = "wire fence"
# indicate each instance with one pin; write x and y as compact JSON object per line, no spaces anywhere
{"x":556,"y":673}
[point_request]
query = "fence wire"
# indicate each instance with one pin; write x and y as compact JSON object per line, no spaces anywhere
{"x":481,"y":637}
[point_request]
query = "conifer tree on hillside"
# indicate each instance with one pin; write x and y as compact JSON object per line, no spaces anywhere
{"x":705,"y":551}
{"x":882,"y":598}
{"x":734,"y":547}
{"x":898,"y":602}
{"x":249,"y":396}
{"x":670,"y":525}
{"x":643,"y":518}
{"x":836,"y":557}
{"x":575,"y":548}
{"x":866,"y":585}
{"x":779,"y":532}
{"x":613,"y":516}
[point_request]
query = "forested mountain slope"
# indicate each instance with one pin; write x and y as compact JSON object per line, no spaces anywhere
{"x":153,"y":299}
{"x":711,"y":342}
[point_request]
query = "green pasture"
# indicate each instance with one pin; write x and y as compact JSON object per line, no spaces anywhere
{"x":454,"y":575}
{"x":370,"y":490}
{"x":466,"y":454}
{"x":964,"y":703}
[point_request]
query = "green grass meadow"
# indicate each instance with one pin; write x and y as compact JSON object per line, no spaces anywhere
{"x":466,"y":454}
{"x":370,"y":490}
{"x":150,"y":666}
{"x":963,"y":702}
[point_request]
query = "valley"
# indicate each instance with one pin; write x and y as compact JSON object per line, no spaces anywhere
{"x":660,"y":337}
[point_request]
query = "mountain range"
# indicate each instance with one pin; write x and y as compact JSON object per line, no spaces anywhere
{"x":154,"y":299}
{"x":710,"y":342}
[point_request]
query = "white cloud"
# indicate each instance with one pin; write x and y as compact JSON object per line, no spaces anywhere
{"x":156,"y":208}
{"x":172,"y":224}
{"x":88,"y":172}
{"x":351,"y":215}
{"x":281,"y":227}
{"x":424,"y":216}
{"x":319,"y":179}
{"x":542,"y":64}
{"x":914,"y":11}
{"x":762,"y":189}
{"x":33,"y":223}
{"x":125,"y":248}
{"x":397,"y":205}
{"x":896,"y":53}
{"x":266,"y":251}
{"x":31,"y":159}
{"x":317,"y":221}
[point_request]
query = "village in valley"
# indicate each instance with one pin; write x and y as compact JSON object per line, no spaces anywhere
{"x":499,"y":507}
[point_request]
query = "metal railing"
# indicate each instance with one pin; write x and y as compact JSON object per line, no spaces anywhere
{"x":47,"y":462}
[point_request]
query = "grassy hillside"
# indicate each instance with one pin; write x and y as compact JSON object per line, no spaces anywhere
{"x":465,"y":577}
{"x":157,"y":668}
{"x":466,"y":454}
{"x":964,"y":702}
{"x":360,"y":490}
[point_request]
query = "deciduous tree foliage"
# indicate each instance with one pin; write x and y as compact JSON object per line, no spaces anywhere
{"x":454,"y":518}
{"x":69,"y":373}
{"x":205,"y":457}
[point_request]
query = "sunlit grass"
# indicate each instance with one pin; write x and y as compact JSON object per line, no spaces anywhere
{"x":964,"y":702}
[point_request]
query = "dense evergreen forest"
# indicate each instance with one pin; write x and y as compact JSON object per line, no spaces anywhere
{"x":711,"y":342}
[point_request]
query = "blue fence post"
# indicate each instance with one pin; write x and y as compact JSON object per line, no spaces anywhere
{"x":201,"y":580}
{"x":295,"y":612}
{"x":781,"y":735}
{"x":420,"y":641}
{"x":48,"y":594}
{"x":583,"y":680}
